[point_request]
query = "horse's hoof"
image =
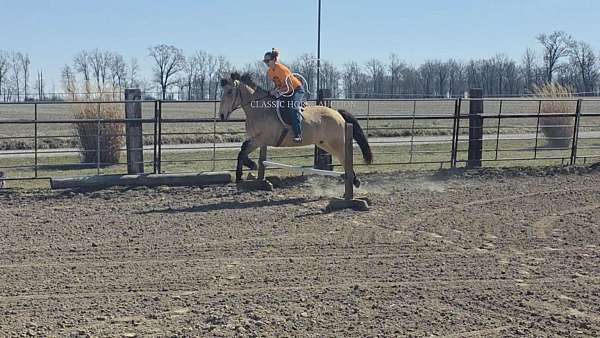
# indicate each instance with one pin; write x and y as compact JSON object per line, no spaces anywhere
{"x":356,"y":182}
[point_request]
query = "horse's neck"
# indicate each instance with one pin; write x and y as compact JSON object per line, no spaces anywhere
{"x":255,"y":108}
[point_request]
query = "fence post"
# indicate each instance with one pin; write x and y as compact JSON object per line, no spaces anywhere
{"x":35,"y":138}
{"x":159,"y":143}
{"x":455,"y":134}
{"x":98,"y":149}
{"x":575,"y":132}
{"x":133,"y":132}
{"x":475,"y":128}
{"x":155,"y":141}
{"x":322,"y":159}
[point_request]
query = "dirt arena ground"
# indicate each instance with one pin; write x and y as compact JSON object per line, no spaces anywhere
{"x":511,"y":253}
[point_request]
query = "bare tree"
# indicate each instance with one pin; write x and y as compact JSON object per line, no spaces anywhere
{"x":169,"y":61}
{"x":40,"y":85}
{"x":441,"y":73}
{"x":585,"y":61}
{"x":133,"y":73}
{"x":556,"y":46}
{"x":306,"y":65}
{"x":211,"y":71}
{"x":376,"y":71}
{"x":181,"y":84}
{"x":529,"y":69}
{"x":223,"y":67}
{"x":427,"y":76}
{"x":395,"y":68}
{"x":500,"y":69}
{"x":200,"y":79}
{"x":16,"y":72}
{"x":4,"y":67}
{"x":513,"y":80}
{"x":24,"y":62}
{"x":190,"y":70}
{"x":82,"y":65}
{"x":118,"y":70}
{"x":68,"y":80}
{"x":146,"y":87}
{"x":100,"y":65}
{"x":456,"y":84}
{"x":330,"y":78}
{"x":352,"y":76}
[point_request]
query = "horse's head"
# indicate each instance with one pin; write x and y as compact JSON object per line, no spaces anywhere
{"x":235,"y":90}
{"x":231,"y":99}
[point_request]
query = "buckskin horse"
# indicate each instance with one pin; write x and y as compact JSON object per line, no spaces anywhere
{"x":321,"y":126}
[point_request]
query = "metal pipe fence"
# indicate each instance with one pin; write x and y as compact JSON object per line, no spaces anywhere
{"x":38,"y":140}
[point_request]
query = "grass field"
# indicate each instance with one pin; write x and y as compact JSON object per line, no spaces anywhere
{"x":61,"y":135}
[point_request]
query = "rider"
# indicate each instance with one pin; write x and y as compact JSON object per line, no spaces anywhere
{"x":288,"y":89}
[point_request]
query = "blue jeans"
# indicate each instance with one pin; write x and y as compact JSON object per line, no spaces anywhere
{"x":291,"y":106}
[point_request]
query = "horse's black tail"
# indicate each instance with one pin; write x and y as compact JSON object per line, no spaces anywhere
{"x":359,"y":136}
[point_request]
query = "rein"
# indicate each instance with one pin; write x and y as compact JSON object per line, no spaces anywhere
{"x":242,"y":104}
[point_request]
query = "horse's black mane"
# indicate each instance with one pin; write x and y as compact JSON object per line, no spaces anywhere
{"x":245,"y":78}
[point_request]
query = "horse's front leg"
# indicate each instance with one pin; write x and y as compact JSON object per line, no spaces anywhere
{"x":243,"y":159}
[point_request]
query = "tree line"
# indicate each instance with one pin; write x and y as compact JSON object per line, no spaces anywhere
{"x":559,"y":58}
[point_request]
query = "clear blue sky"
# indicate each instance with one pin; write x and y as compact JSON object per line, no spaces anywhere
{"x":52,"y":32}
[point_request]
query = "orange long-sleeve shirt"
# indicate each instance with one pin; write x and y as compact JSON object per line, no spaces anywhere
{"x":284,"y":80}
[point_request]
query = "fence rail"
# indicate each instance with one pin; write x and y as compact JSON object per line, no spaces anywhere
{"x":39,"y":142}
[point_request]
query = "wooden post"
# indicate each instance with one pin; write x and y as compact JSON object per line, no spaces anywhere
{"x":349,"y":163}
{"x":348,"y":202}
{"x":455,"y":133}
{"x":575,"y":139}
{"x":133,"y":132}
{"x":155,"y":143}
{"x":322,"y":159}
{"x":475,"y":128}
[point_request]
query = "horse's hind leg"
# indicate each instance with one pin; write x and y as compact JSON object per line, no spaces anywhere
{"x":338,"y":150}
{"x":243,"y":159}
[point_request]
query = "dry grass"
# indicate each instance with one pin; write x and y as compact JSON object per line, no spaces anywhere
{"x":99,"y":141}
{"x":558,"y":130}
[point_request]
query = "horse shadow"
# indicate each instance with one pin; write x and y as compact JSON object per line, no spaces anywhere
{"x":234,"y":205}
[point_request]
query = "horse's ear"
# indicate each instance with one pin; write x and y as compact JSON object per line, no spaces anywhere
{"x":235,"y":76}
{"x":224,"y":82}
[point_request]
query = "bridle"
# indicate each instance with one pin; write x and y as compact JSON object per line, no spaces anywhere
{"x":238,"y":93}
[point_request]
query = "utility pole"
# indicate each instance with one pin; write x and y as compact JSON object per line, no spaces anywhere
{"x":322,"y":159}
{"x":319,"y":50}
